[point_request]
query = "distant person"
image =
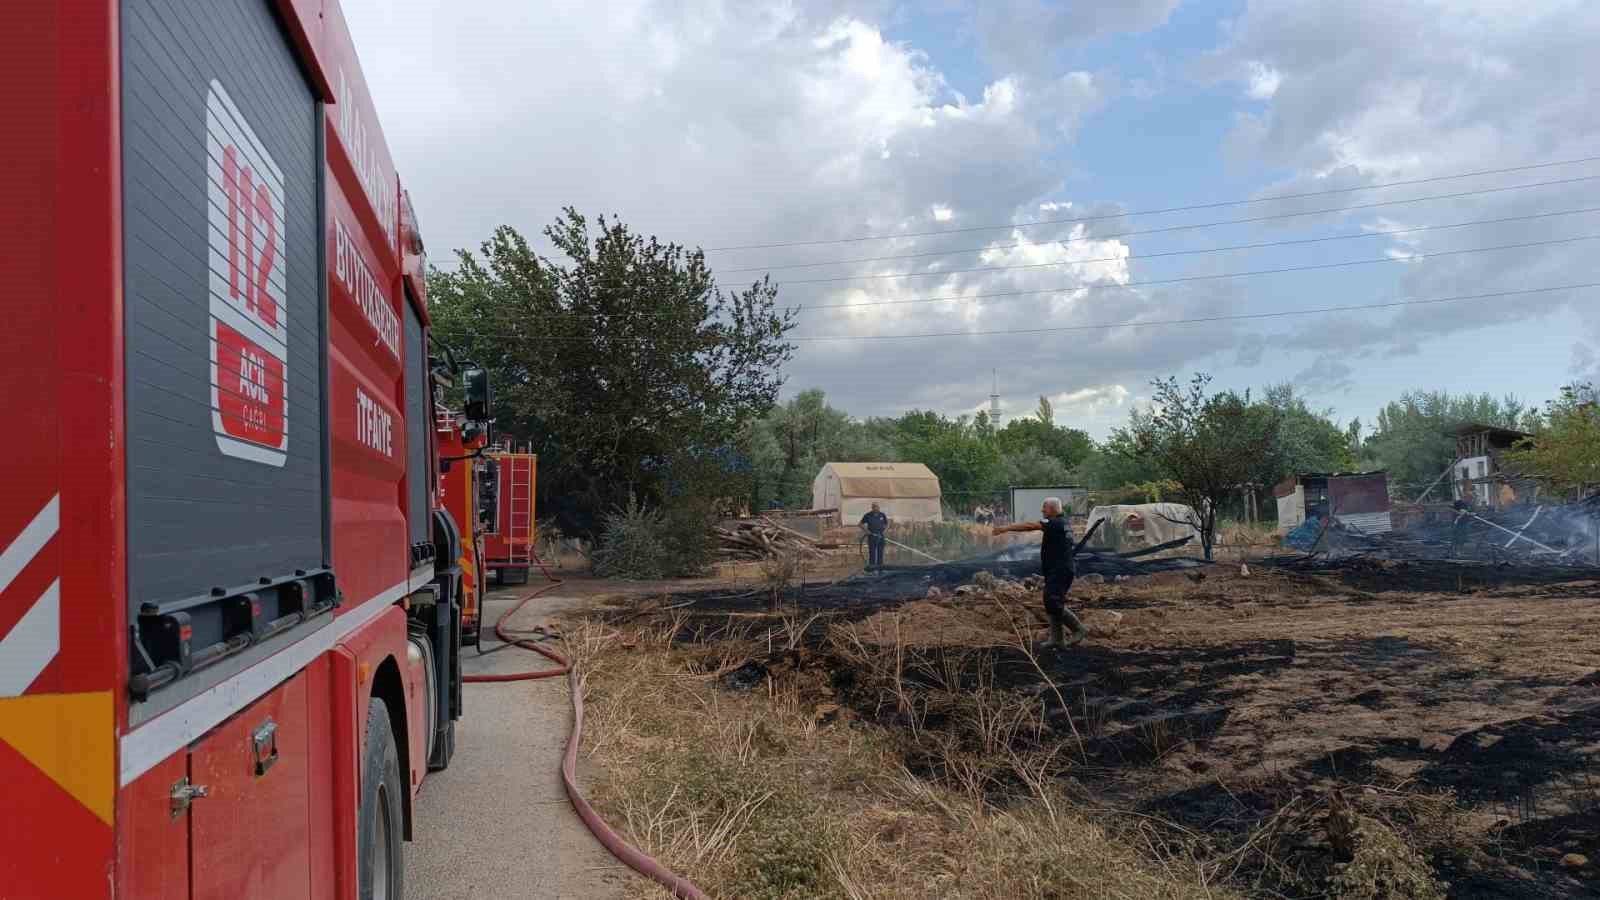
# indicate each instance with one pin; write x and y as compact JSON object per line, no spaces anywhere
{"x":1056,"y":564}
{"x":874,"y":524}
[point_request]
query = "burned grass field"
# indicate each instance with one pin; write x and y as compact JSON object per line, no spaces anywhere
{"x":1366,"y":729}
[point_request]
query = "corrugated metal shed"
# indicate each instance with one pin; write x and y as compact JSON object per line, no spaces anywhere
{"x":1357,"y":499}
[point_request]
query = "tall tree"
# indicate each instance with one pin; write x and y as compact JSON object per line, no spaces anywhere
{"x":956,"y":448}
{"x":1565,"y":447}
{"x":1309,"y":439}
{"x":1030,"y":466}
{"x":1069,"y":445}
{"x":1208,"y":443}
{"x":792,"y":442}
{"x":1412,"y":440}
{"x":1116,"y":461}
{"x":621,"y":360}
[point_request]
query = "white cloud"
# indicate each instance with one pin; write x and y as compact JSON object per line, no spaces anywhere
{"x":1327,"y":373}
{"x":1264,"y":81}
{"x":1093,"y":399}
{"x":715,"y":122}
{"x":1372,"y":91}
{"x":727,"y":123}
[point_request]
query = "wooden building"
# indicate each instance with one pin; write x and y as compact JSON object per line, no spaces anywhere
{"x":1480,"y":474}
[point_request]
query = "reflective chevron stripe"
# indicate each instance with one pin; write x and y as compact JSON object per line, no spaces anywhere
{"x":35,"y":639}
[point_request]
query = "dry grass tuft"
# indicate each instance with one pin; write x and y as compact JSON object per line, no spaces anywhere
{"x":776,"y":792}
{"x":1381,"y":865}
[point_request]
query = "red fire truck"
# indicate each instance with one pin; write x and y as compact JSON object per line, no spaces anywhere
{"x":229,"y":597}
{"x":509,"y":479}
{"x":461,"y":441}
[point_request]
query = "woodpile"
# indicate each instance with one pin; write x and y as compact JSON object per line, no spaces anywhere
{"x":762,"y":538}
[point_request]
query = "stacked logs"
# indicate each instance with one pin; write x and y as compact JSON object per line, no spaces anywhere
{"x":762,"y":539}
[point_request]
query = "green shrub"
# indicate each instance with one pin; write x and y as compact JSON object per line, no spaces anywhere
{"x":690,"y":545}
{"x":633,"y":544}
{"x":643,"y":542}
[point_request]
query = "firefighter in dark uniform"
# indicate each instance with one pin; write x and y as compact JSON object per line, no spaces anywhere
{"x":1056,"y":552}
{"x":875,"y":523}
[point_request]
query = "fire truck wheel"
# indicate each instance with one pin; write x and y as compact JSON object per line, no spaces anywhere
{"x":381,"y":874}
{"x":518,"y":575}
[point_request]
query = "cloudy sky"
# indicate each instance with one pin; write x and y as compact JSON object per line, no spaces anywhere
{"x":967,"y":169}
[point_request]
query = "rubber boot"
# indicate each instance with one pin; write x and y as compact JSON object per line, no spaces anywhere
{"x":1079,"y":632}
{"x":1056,"y":640}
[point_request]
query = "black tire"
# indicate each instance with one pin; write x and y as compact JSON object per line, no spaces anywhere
{"x":380,"y":868}
{"x":519,"y":575}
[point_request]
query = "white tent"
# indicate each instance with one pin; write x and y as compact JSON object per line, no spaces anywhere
{"x":1135,"y":527}
{"x":906,"y":492}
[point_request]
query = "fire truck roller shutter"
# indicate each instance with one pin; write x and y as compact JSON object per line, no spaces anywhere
{"x":225,"y":413}
{"x":418,"y":421}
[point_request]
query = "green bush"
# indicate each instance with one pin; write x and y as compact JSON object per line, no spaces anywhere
{"x":643,"y":542}
{"x":633,"y":544}
{"x":690,"y":544}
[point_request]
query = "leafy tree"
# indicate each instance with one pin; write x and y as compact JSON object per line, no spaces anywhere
{"x":792,"y":442}
{"x":1031,"y":466}
{"x":1069,"y":445}
{"x":622,"y":361}
{"x":1208,"y":444}
{"x":1412,"y":441}
{"x":1308,"y":439}
{"x":1565,"y":447}
{"x":1116,"y":462}
{"x":975,"y":462}
{"x":956,"y":449}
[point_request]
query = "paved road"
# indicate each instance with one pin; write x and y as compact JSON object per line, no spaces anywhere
{"x":497,"y":823}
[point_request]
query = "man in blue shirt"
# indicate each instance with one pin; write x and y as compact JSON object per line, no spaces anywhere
{"x":875,"y":523}
{"x":1057,"y":565}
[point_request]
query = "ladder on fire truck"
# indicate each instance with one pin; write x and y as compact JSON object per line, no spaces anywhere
{"x":516,"y":482}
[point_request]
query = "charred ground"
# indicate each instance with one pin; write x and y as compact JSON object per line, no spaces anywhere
{"x":1453,"y":706}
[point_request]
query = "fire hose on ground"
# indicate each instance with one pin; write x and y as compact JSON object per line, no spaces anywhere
{"x":626,"y":853}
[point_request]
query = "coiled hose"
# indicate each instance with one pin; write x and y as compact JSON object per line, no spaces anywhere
{"x":626,"y":853}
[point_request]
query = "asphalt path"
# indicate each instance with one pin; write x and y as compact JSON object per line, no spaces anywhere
{"x":497,"y":823}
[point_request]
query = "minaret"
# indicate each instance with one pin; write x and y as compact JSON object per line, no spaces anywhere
{"x":994,"y":400}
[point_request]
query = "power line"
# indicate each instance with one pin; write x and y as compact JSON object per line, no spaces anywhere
{"x":1151,"y":212}
{"x":1230,"y":318}
{"x":1100,"y":285}
{"x":1254,"y":246}
{"x":1145,"y":231}
{"x":1096,"y":327}
{"x":991,"y":295}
